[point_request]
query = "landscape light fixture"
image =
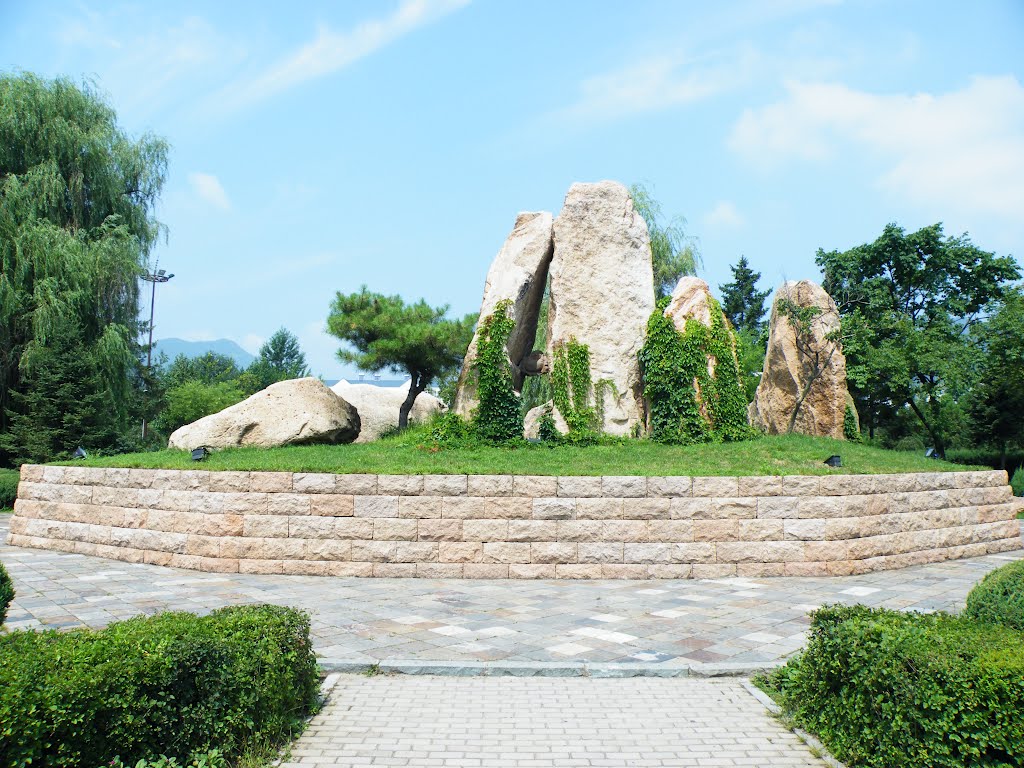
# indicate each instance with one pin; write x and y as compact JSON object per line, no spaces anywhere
{"x":200,"y":453}
{"x":834,"y":461}
{"x":931,"y":453}
{"x":80,"y":453}
{"x":160,"y":276}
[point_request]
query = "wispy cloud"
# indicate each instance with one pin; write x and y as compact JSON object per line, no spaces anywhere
{"x":963,"y":149}
{"x":724,"y":216}
{"x":331,"y":51}
{"x":208,"y":188}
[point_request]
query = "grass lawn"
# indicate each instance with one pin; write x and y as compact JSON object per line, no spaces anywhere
{"x":413,"y":452}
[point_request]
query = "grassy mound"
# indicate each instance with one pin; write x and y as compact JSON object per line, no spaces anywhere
{"x":416,"y":452}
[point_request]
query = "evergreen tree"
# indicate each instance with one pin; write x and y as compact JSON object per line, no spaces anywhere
{"x":742,"y":303}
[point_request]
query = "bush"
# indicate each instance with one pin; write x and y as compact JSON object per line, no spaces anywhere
{"x":999,"y":598}
{"x":6,"y":593}
{"x":1017,"y":482}
{"x":8,"y":487}
{"x":175,"y":685}
{"x":886,"y":689}
{"x":193,"y":400}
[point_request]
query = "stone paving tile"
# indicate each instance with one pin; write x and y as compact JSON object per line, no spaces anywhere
{"x":366,"y":620}
{"x":512,"y":722}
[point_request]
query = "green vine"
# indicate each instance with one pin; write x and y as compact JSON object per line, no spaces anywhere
{"x":571,"y":387}
{"x":689,"y":405}
{"x":497,"y":418}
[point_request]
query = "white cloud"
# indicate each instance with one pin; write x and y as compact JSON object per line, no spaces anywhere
{"x":251,"y":343}
{"x":331,"y":51}
{"x":724,"y":216}
{"x":963,"y":149}
{"x":208,"y":188}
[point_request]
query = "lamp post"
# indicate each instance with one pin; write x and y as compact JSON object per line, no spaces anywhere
{"x":160,"y":276}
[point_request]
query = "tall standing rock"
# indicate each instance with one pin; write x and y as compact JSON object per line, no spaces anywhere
{"x":518,"y":273}
{"x":804,"y":373}
{"x":602,"y":292}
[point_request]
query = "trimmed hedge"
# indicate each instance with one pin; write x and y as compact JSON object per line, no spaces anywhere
{"x":6,"y":593}
{"x":175,"y":684}
{"x":999,"y":597}
{"x":8,"y":487}
{"x":1017,"y":482}
{"x":887,"y":690}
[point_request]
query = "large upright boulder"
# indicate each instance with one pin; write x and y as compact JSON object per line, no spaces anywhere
{"x":378,"y":406}
{"x":803,"y":386}
{"x":293,"y":412}
{"x":602,"y":293}
{"x":518,"y":273}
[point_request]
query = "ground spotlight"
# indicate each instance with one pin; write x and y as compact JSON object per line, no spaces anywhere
{"x":200,"y":453}
{"x":834,"y":461}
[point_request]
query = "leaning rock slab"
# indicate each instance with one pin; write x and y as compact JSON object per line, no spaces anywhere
{"x":294,"y":412}
{"x":531,"y":422}
{"x":814,"y":369}
{"x":378,"y":406}
{"x":518,"y":273}
{"x":602,"y":293}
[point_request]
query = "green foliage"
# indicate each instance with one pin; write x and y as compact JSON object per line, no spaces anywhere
{"x":497,"y":418}
{"x":387,"y":333}
{"x":536,"y":390}
{"x":571,"y":388}
{"x":210,"y":759}
{"x":999,"y":597}
{"x":1017,"y":482}
{"x":742,"y":303}
{"x":906,"y":301}
{"x":76,"y":228}
{"x":6,"y":593}
{"x":673,"y":252}
{"x":280,"y":358}
{"x":687,"y":404}
{"x":192,"y":400}
{"x":850,"y":431}
{"x":9,"y":479}
{"x":815,"y":350}
{"x":211,"y":368}
{"x":175,"y":684}
{"x":750,"y":353}
{"x":451,"y":429}
{"x":547,"y":430}
{"x":884,"y":689}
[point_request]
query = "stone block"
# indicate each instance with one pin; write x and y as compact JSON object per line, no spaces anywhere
{"x":400,"y":485}
{"x":288,"y":504}
{"x":148,"y":498}
{"x":395,"y":529}
{"x":395,"y":570}
{"x":353,"y":528}
{"x":734,"y":508}
{"x":532,"y":530}
{"x":647,"y":553}
{"x":329,"y":549}
{"x":989,"y":513}
{"x":864,"y":505}
{"x":670,"y":487}
{"x":701,"y":552}
{"x":624,"y":486}
{"x":332,"y":505}
{"x":669,"y":571}
{"x":668,"y":531}
{"x":445,"y":485}
{"x":531,"y":571}
{"x":485,"y":571}
{"x":819,"y":507}
{"x":715,"y":530}
{"x":761,"y":530}
{"x":164,"y":558}
{"x":581,"y":571}
{"x":489,"y":485}
{"x":587,"y":552}
{"x":374,"y":551}
{"x":203,"y":546}
{"x":227,"y":482}
{"x":375,"y":506}
{"x":805,"y":569}
{"x":262,"y":567}
{"x":800,"y":485}
{"x":312,"y":482}
{"x":174,"y":501}
{"x":463,"y":507}
{"x":599,"y":509}
{"x":534,"y":486}
{"x":620,"y":571}
{"x":554,"y":509}
{"x":420,"y":507}
{"x":685,"y":509}
{"x":602,"y":530}
{"x":645,"y":509}
{"x":579,"y":486}
{"x":715,"y":487}
{"x":55,"y":476}
{"x":439,"y":570}
{"x":33,"y":473}
{"x":760,"y":570}
{"x":506,"y":552}
{"x":220,"y":525}
{"x":265,"y":526}
{"x":777,"y":507}
{"x":826,"y":551}
{"x":712,"y":571}
{"x":809,"y":529}
{"x":759,"y":551}
{"x":270,"y":482}
{"x":355,"y":484}
{"x":764,"y":485}
{"x":485,"y":530}
{"x":440,"y":530}
{"x":460,"y":552}
{"x":508,"y":507}
{"x":551,"y":552}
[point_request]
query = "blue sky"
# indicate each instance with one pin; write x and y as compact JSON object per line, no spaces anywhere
{"x":317,"y":146}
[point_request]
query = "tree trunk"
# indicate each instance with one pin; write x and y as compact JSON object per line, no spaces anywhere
{"x":803,"y":396}
{"x":940,"y":446}
{"x":417,"y":383}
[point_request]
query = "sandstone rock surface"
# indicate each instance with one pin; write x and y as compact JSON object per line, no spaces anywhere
{"x":813,"y":369}
{"x":378,"y":406}
{"x":602,"y":292}
{"x":531,"y":423}
{"x":293,"y":412}
{"x":518,"y":273}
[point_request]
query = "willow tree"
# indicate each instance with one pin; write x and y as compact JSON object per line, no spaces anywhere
{"x":76,"y":231}
{"x":673,"y":252}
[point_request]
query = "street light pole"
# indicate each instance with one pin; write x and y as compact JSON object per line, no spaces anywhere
{"x":160,"y":276}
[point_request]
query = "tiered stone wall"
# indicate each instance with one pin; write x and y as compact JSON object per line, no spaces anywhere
{"x":487,"y":526}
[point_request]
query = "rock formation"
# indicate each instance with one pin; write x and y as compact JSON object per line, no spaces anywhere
{"x":293,"y":412}
{"x":378,"y":406}
{"x":531,"y":423}
{"x":602,"y":292}
{"x":519,"y":273}
{"x":803,"y":387}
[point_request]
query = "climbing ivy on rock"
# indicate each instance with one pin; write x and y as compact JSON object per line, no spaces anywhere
{"x":571,"y":387}
{"x":850,"y":431}
{"x":687,"y":404}
{"x":497,"y":418}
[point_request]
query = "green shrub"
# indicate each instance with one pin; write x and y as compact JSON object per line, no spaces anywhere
{"x":193,"y":400}
{"x":210,"y":759}
{"x":497,"y":418}
{"x":885,"y":689}
{"x":175,"y":684}
{"x":1017,"y":482}
{"x":8,"y":487}
{"x":999,"y":598}
{"x":6,"y":593}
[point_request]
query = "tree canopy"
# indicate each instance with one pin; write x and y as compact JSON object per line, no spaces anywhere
{"x":673,"y":252}
{"x":76,"y":230}
{"x":908,"y":303}
{"x":387,"y":333}
{"x":742,"y":303}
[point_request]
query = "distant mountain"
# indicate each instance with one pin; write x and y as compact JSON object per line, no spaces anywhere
{"x":174,"y":347}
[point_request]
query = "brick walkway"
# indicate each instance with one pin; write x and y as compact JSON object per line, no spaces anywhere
{"x":663,"y":623}
{"x":511,"y":722}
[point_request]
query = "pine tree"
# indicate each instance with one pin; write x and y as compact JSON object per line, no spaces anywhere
{"x":742,"y":303}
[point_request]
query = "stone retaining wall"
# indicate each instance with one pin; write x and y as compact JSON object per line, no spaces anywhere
{"x":493,"y":526}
